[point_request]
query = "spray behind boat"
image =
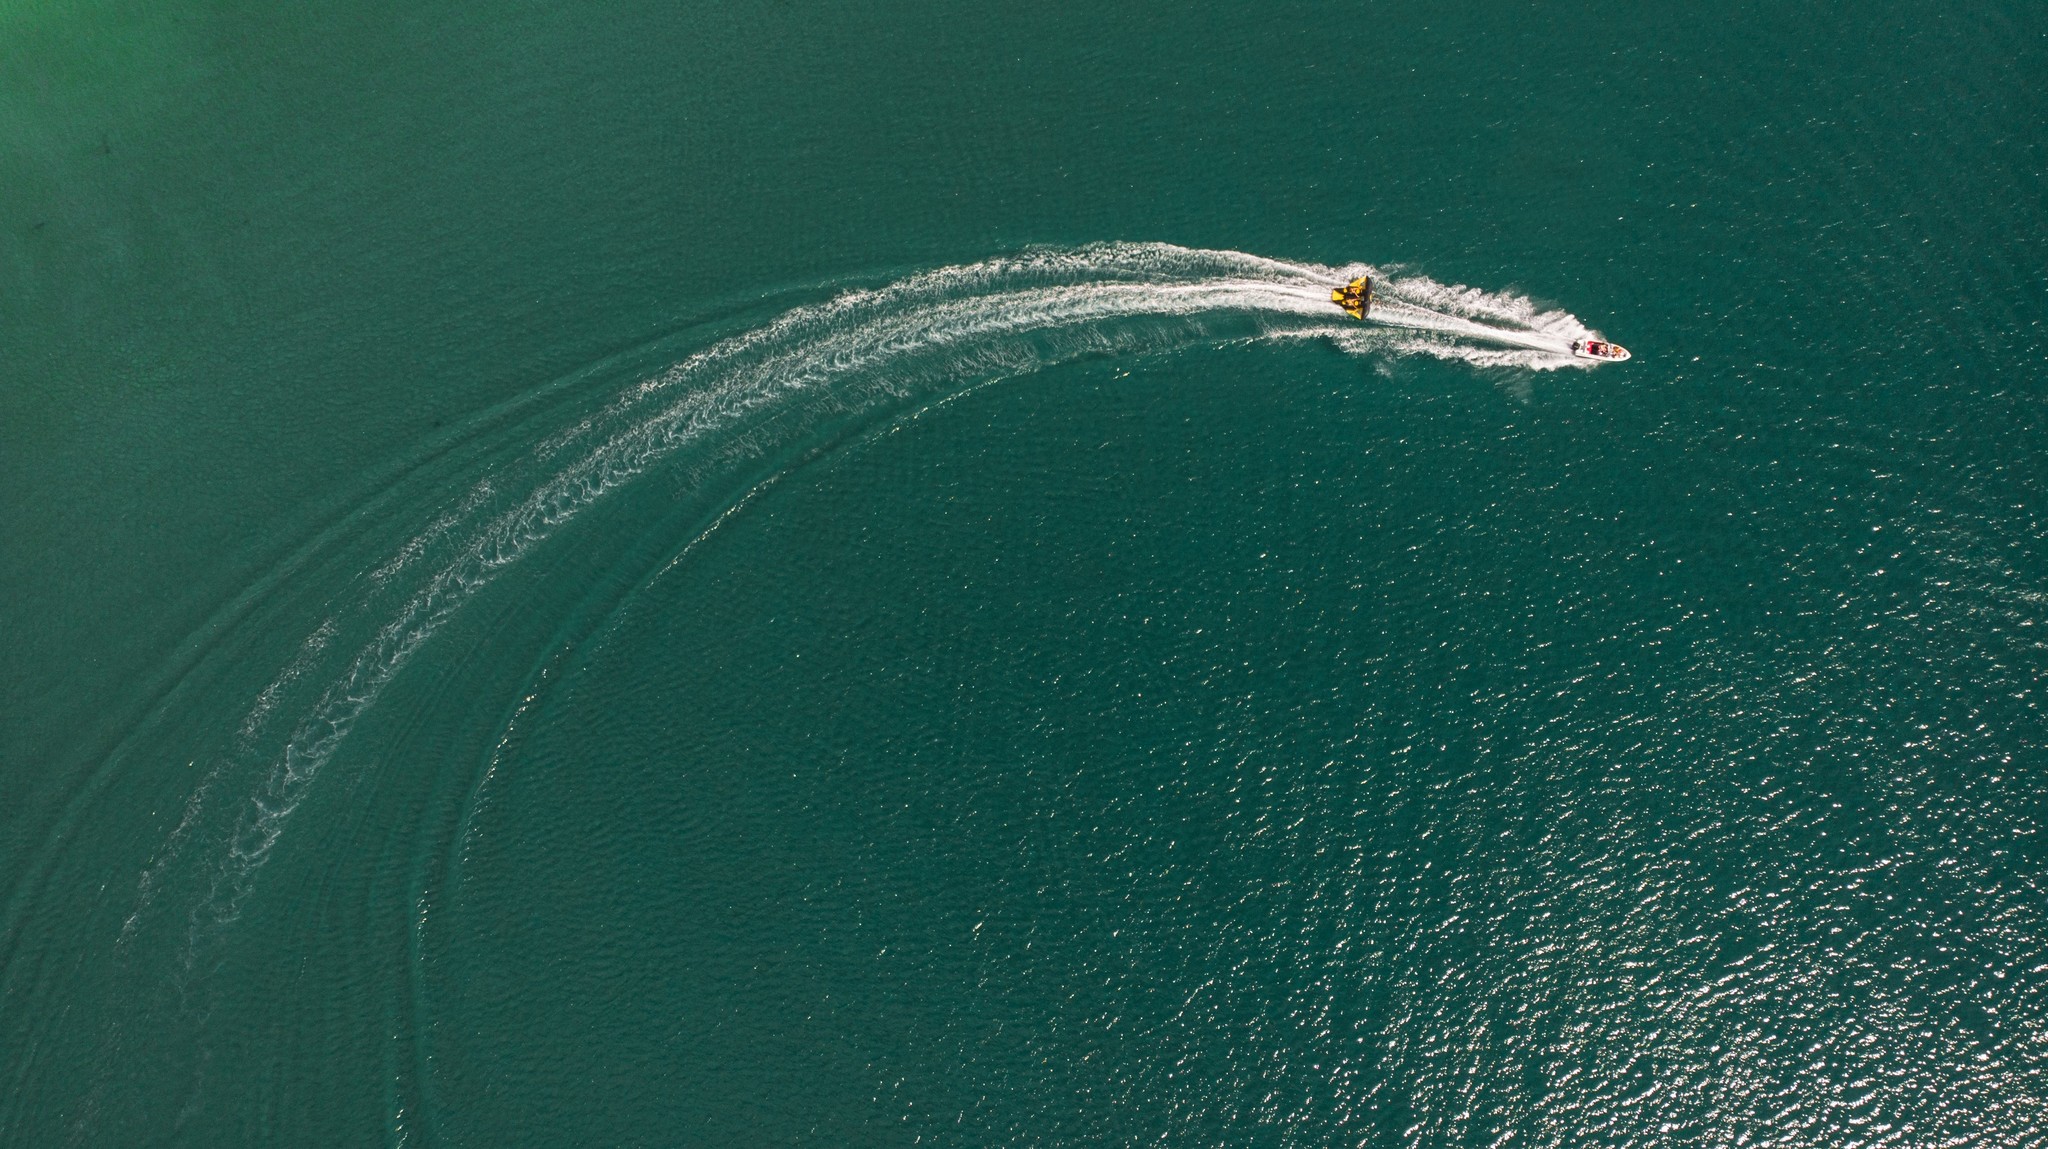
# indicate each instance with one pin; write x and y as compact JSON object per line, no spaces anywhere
{"x":1356,"y":299}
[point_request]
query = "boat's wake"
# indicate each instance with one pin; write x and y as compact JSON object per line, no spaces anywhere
{"x":864,"y":349}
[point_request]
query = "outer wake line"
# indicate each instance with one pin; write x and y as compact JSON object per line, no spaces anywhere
{"x":994,"y":319}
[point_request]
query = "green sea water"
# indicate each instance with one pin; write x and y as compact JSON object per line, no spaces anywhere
{"x":759,"y":573}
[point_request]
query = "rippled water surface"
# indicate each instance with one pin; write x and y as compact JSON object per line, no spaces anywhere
{"x":753,"y":574}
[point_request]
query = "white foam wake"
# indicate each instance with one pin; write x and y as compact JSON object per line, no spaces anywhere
{"x":997,"y":318}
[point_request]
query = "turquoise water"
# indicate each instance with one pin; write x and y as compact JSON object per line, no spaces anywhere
{"x":758,"y":574}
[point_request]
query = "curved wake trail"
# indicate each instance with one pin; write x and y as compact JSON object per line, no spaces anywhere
{"x":994,"y":319}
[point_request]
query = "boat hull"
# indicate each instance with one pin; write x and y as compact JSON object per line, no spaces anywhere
{"x":1600,"y":351}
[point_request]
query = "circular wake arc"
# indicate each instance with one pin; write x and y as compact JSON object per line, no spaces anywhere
{"x":998,"y":318}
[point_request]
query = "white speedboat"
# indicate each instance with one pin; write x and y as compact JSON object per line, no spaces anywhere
{"x":1599,"y":349}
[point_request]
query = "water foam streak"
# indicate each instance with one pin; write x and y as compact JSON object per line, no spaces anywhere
{"x":997,"y":318}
